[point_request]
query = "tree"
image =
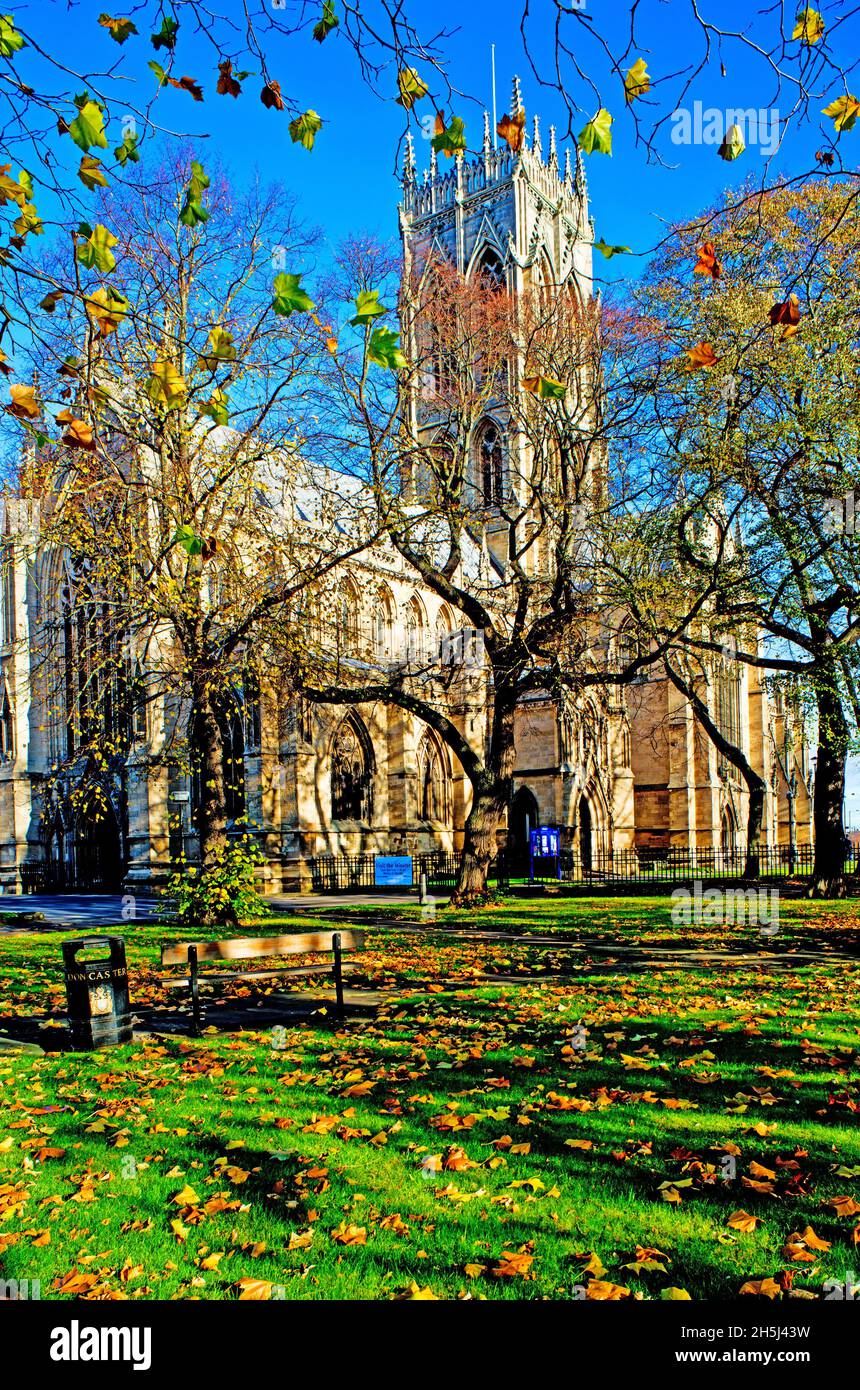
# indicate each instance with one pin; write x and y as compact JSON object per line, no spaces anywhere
{"x":760,"y":416}
{"x":507,"y":538}
{"x":172,"y":487}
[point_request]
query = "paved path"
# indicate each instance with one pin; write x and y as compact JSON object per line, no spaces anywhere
{"x":90,"y":911}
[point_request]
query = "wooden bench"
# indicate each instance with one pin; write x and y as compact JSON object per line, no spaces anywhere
{"x":195,"y":953}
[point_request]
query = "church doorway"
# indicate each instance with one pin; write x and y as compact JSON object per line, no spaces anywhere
{"x":728,"y":833}
{"x":523,"y":817}
{"x":585,"y":835}
{"x":98,"y":851}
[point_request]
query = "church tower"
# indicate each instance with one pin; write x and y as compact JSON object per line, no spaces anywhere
{"x":521,"y":218}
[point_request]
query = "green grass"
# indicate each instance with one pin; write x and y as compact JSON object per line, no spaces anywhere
{"x":291,"y":1137}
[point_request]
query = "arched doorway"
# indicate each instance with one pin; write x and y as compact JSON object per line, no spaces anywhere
{"x":99,"y":863}
{"x":728,"y":833}
{"x":523,"y":817}
{"x":585,"y":835}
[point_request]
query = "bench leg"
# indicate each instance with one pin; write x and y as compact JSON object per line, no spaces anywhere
{"x":338,"y":973}
{"x":195,"y":989}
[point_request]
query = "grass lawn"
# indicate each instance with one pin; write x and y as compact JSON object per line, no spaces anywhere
{"x":698,"y":1132}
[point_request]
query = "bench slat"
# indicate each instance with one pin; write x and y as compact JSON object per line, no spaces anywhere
{"x":252,"y":947}
{"x":297,"y":971}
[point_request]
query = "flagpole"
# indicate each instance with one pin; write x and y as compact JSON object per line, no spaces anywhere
{"x":495,"y":121}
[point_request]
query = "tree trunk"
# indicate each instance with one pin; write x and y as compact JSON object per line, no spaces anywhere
{"x":206,"y":750}
{"x":755,"y":816}
{"x":491,"y":796}
{"x":828,"y":873}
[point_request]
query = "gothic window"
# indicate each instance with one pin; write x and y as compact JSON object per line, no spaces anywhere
{"x":444,"y":625}
{"x":729,"y":704}
{"x":351,"y":772}
{"x":348,"y":620}
{"x":416,"y":632}
{"x":383,"y":625}
{"x":251,"y":709}
{"x":490,"y":466}
{"x":8,"y":592}
{"x":138,"y":704}
{"x":7,"y":729}
{"x":491,"y":268}
{"x":304,"y":720}
{"x":434,"y":781}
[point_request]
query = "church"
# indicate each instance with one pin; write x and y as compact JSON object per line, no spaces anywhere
{"x":632,"y":772}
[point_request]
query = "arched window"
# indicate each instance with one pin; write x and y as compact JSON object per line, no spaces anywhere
{"x":728,"y":832}
{"x":7,"y":729}
{"x":490,"y":268}
{"x":444,"y":626}
{"x":232,"y":730}
{"x":729,"y":703}
{"x":490,"y":465}
{"x":383,"y":625}
{"x":434,"y":780}
{"x":351,"y":771}
{"x":7,"y":560}
{"x":416,"y":632}
{"x":348,"y":620}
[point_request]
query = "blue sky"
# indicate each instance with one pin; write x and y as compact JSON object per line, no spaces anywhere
{"x":347,"y":184}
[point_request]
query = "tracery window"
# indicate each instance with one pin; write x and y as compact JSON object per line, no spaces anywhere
{"x":351,"y":772}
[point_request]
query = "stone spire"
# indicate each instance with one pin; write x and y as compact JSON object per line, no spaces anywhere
{"x":433,"y":164}
{"x":409,"y":160}
{"x":553,"y":152}
{"x":568,"y":170}
{"x":516,"y":98}
{"x":580,"y":182}
{"x":536,"y":145}
{"x":488,"y":143}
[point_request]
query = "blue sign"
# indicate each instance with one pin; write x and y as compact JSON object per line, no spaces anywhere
{"x":545,"y":842}
{"x":391,"y":870}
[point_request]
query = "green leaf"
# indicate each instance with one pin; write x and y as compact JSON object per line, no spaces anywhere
{"x":329,"y":21}
{"x":219,"y":348}
{"x":217,"y":408}
{"x":545,"y":387}
{"x":28,"y":221}
{"x":450,"y":138}
{"x":25,"y":181}
{"x":303,"y":130}
{"x":637,"y":82}
{"x":127,"y":152}
{"x":844,"y":111}
{"x":10,"y":40}
{"x":91,"y":172}
{"x":119,"y":29}
{"x":289,"y":297}
{"x":192,"y":212}
{"x":367,"y":308}
{"x":88,"y":127}
{"x":609,"y":251}
{"x":411,"y":87}
{"x":166,"y":386}
{"x":597,"y":134}
{"x":733,"y":144}
{"x":159,"y":72}
{"x":95,"y":253}
{"x":166,"y":36}
{"x":384,"y":349}
{"x":189,"y":540}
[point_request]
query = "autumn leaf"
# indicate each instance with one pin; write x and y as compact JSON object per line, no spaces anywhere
{"x":450,"y":139}
{"x":10,"y":40}
{"x":185,"y":1197}
{"x":702,"y":355}
{"x":742,"y":1221}
{"x":79,"y":434}
{"x":707,"y":263}
{"x":547,"y":389}
{"x":411,"y":88}
{"x":106,"y":308}
{"x":119,"y":29}
{"x":603,"y":1291}
{"x":24,"y":404}
{"x":596,"y":136}
{"x":787,"y":313}
{"x":271,"y":97}
{"x":349,"y":1234}
{"x":88,"y":127}
{"x":219,"y":348}
{"x":288,"y":297}
{"x":254,"y":1290}
{"x":304,"y":129}
{"x":227,"y":85}
{"x":512,"y":1265}
{"x":127,"y":152}
{"x":844,"y":112}
{"x":843,"y":1206}
{"x":809,"y":27}
{"x":637,"y":82}
{"x":413,"y":1293}
{"x":91,"y":172}
{"x":95,"y":251}
{"x":166,"y":387}
{"x":192,"y":211}
{"x":761,"y":1288}
{"x":733,"y":144}
{"x":674,"y":1295}
{"x":512,"y":129}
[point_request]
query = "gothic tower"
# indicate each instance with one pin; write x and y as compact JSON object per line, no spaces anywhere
{"x":520,"y":217}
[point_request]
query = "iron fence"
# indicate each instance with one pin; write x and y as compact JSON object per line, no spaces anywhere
{"x":655,"y":865}
{"x":355,"y":873}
